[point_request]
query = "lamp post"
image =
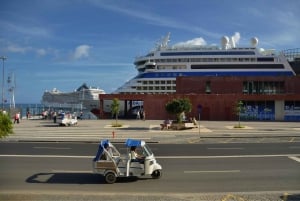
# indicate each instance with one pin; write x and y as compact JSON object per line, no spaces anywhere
{"x":3,"y":58}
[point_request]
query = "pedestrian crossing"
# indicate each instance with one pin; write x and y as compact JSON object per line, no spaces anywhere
{"x":95,"y":130}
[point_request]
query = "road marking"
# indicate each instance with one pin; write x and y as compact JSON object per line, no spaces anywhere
{"x":52,"y":148}
{"x":232,"y":156}
{"x":72,"y":171}
{"x":292,"y":139}
{"x":294,"y":158}
{"x":158,"y":157}
{"x":232,"y":197}
{"x":228,"y":140}
{"x":260,"y":140}
{"x":226,"y":148}
{"x":45,"y":156}
{"x":211,"y":171}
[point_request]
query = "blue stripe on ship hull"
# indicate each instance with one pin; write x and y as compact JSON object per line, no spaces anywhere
{"x":246,"y":73}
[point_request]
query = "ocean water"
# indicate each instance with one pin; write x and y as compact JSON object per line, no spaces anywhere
{"x":33,"y":108}
{"x":37,"y":109}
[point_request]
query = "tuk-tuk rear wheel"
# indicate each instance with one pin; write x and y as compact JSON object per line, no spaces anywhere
{"x":156,"y":174}
{"x":110,"y":178}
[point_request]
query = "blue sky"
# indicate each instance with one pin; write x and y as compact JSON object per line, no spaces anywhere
{"x":64,"y":43}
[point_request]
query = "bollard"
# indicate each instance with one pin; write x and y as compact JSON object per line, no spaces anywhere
{"x":113,"y":134}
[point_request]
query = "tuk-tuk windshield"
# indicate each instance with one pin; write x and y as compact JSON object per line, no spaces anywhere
{"x":147,"y":150}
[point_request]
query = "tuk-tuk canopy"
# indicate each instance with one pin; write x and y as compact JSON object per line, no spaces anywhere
{"x":102,"y":144}
{"x":134,"y":143}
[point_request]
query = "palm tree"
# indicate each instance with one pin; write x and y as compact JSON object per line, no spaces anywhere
{"x":115,"y":109}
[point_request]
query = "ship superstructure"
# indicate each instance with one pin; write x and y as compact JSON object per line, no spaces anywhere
{"x":157,"y":70}
{"x":84,"y":97}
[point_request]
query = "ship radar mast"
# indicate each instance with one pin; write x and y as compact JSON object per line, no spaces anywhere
{"x":163,"y":43}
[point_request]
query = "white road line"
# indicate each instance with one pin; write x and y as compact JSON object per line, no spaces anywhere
{"x":211,"y":171}
{"x":59,"y":148}
{"x":158,"y":157}
{"x":226,"y":148}
{"x":72,"y":171}
{"x":294,"y":158}
{"x":45,"y":156}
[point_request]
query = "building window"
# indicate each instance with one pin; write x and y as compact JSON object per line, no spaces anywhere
{"x":207,"y":87}
{"x":260,"y":87}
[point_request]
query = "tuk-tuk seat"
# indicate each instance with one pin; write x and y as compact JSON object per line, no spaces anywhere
{"x":104,"y":164}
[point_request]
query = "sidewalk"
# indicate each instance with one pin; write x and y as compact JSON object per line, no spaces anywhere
{"x":149,"y":130}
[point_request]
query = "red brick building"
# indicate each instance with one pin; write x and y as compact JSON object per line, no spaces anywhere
{"x":264,"y":98}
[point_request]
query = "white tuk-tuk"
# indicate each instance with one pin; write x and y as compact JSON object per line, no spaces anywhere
{"x":109,"y":162}
{"x":67,"y":119}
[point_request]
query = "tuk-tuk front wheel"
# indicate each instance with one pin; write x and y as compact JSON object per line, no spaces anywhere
{"x":156,"y":174}
{"x":110,"y":178}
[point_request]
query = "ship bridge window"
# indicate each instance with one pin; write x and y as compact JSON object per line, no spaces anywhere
{"x":207,"y":53}
{"x":269,"y":59}
{"x":238,"y":66}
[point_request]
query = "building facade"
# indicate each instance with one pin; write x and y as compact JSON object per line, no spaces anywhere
{"x":216,"y":98}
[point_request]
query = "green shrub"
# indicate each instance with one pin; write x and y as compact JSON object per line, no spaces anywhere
{"x":6,"y":125}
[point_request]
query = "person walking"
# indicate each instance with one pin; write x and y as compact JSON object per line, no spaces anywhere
{"x":17,"y":117}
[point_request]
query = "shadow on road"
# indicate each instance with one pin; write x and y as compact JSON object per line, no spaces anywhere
{"x":293,"y":197}
{"x":73,"y":178}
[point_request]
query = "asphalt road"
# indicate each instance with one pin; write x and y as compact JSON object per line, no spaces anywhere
{"x":236,"y":171}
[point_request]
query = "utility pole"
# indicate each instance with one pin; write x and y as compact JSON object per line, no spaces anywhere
{"x":3,"y":58}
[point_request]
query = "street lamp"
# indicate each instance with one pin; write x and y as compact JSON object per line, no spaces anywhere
{"x":3,"y":58}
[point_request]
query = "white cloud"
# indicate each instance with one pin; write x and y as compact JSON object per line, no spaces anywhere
{"x":17,"y":49}
{"x":195,"y":41}
{"x":26,"y":29}
{"x":14,"y":48}
{"x":81,"y":51}
{"x":41,"y":52}
{"x":153,"y":18}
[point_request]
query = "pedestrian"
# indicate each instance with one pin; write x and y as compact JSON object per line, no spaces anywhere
{"x":17,"y":117}
{"x":144,"y":115}
{"x":54,"y":116}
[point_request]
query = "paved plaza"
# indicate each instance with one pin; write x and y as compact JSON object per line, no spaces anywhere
{"x":150,"y":131}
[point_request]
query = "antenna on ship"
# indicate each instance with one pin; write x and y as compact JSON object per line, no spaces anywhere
{"x":163,"y":43}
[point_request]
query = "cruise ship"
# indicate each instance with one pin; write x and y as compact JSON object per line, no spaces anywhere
{"x":83,"y":98}
{"x":157,"y":70}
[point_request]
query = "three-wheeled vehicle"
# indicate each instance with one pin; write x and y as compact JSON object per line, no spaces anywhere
{"x":111,"y":164}
{"x":67,"y":119}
